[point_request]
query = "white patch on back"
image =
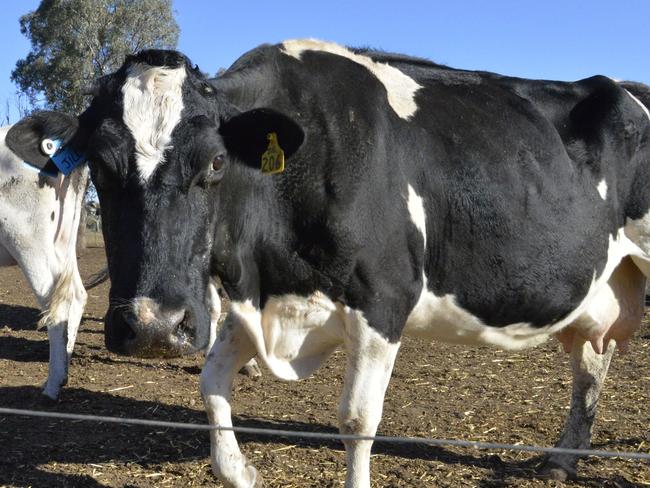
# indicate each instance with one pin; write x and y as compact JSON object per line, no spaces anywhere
{"x":640,"y":103}
{"x":400,"y":88}
{"x":153,"y":101}
{"x":602,"y":189}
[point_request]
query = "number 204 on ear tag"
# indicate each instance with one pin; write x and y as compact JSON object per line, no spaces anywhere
{"x":273,"y":157}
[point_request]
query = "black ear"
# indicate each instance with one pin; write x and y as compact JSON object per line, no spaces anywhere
{"x":28,"y":138}
{"x":246,"y":134}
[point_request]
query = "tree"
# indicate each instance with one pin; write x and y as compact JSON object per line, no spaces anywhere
{"x":76,"y":41}
{"x":20,"y":106}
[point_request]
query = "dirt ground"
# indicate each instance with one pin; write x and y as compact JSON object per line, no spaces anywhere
{"x":437,"y":390}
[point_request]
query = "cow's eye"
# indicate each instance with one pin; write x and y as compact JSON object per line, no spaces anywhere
{"x":214,"y":174}
{"x":217,"y":162}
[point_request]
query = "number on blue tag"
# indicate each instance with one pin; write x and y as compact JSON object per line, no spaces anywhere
{"x":67,"y":159}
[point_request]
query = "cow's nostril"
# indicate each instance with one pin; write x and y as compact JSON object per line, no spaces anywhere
{"x":185,"y":326}
{"x":130,"y":322}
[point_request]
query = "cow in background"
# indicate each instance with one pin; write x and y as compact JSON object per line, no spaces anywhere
{"x":39,"y":218}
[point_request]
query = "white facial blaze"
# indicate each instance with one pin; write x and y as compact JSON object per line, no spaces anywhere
{"x":400,"y":88}
{"x":153,"y":102}
{"x":602,"y":189}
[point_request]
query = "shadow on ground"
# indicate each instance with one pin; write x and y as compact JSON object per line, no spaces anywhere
{"x":17,"y":317}
{"x":33,"y":442}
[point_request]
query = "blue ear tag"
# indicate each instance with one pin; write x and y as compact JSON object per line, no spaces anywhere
{"x":66,"y":158}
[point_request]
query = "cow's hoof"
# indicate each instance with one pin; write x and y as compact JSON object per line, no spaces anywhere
{"x":556,"y":472}
{"x":251,"y":369}
{"x":51,"y":393}
{"x":259,"y":482}
{"x":49,"y":399}
{"x":253,"y":477}
{"x":249,"y":477}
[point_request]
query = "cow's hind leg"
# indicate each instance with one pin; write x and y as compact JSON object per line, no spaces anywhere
{"x":62,"y":319}
{"x":231,"y":350}
{"x":589,"y":371}
{"x":616,"y":314}
{"x":370,"y":359}
{"x":61,"y":295}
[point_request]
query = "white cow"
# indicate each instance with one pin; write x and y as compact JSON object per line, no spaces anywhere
{"x":39,"y":218}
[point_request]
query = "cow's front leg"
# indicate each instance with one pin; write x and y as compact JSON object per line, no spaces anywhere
{"x":589,"y":371}
{"x":251,"y":368}
{"x":231,"y":350}
{"x":370,"y":359}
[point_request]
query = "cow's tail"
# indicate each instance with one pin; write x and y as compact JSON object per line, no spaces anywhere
{"x":96,"y":279}
{"x":59,"y":299}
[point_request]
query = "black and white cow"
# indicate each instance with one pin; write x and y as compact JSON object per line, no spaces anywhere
{"x":39,"y":218}
{"x":416,"y":199}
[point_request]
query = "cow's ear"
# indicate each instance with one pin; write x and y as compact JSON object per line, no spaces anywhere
{"x":36,"y":137}
{"x":246,"y":135}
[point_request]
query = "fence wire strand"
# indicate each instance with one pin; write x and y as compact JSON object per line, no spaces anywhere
{"x":326,"y":436}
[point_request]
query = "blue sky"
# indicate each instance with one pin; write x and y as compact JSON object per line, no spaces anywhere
{"x":551,"y":39}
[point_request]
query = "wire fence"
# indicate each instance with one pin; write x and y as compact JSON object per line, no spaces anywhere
{"x":327,"y":436}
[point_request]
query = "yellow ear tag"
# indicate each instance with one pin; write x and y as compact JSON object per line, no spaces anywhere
{"x":273,"y":157}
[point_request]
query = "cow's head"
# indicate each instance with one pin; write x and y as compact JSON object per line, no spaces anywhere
{"x":160,"y":139}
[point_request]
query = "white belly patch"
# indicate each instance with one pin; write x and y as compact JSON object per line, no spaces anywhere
{"x":441,"y":318}
{"x":610,"y":309}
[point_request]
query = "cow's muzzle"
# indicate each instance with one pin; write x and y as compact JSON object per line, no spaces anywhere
{"x":145,"y":329}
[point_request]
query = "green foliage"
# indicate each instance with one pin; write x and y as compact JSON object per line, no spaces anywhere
{"x":76,"y":41}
